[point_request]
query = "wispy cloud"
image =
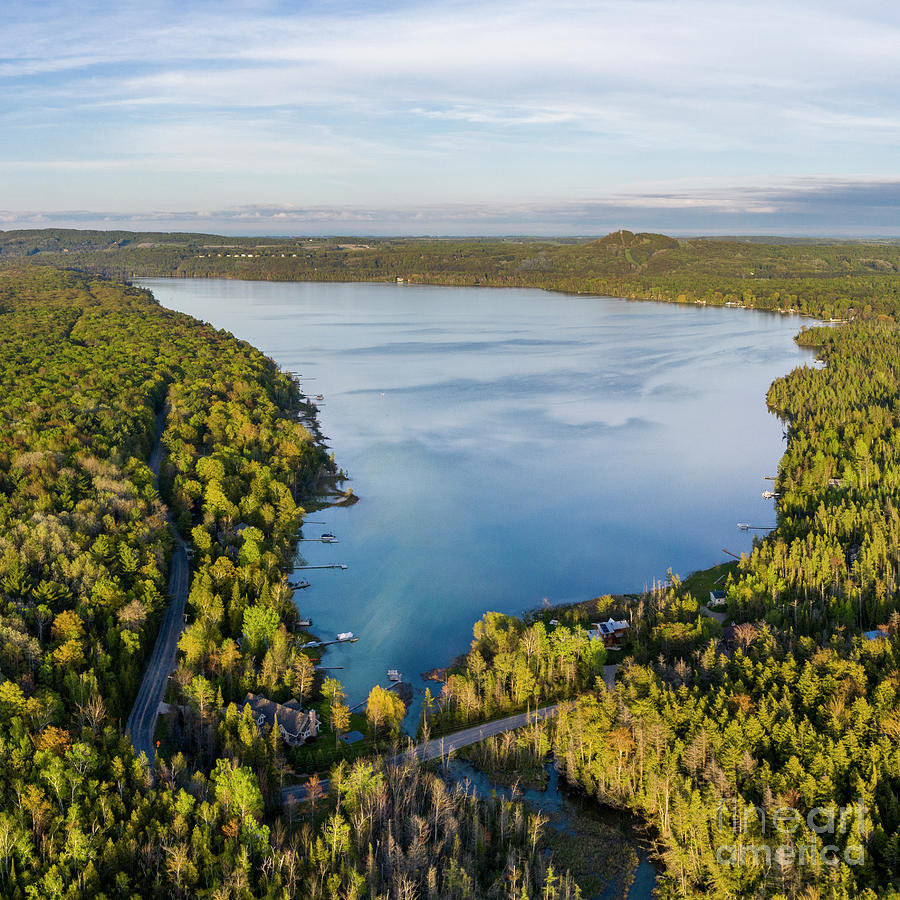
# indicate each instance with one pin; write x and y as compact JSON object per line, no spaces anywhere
{"x":808,"y":206}
{"x":377,"y":106}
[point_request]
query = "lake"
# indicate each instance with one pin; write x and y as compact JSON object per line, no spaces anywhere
{"x":511,"y":448}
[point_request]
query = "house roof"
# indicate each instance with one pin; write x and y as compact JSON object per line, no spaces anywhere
{"x":290,"y":716}
{"x":611,"y":626}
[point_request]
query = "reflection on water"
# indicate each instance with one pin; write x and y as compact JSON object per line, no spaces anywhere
{"x":510,"y":447}
{"x":569,"y":812}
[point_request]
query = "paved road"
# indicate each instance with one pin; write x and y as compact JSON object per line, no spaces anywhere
{"x":142,"y":721}
{"x":156,"y":454}
{"x":443,"y":746}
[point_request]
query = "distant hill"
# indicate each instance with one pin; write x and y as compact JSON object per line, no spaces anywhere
{"x":831,"y":279}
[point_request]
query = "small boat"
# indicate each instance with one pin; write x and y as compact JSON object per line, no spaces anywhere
{"x":320,"y":396}
{"x":299,"y":585}
{"x":394,"y":675}
{"x":743,"y":526}
{"x":305,"y":623}
{"x":329,"y":538}
{"x":345,"y":636}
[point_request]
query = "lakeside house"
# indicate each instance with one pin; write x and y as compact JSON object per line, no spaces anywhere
{"x":295,"y":724}
{"x":716,"y":599}
{"x":611,"y":632}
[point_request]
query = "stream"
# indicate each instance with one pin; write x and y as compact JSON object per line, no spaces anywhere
{"x":568,"y":811}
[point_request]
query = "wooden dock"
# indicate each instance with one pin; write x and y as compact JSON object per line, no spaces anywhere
{"x":315,"y":644}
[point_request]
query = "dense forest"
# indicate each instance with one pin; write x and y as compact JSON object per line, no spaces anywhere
{"x":90,"y":370}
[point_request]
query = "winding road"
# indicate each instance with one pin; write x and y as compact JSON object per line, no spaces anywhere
{"x":142,"y":720}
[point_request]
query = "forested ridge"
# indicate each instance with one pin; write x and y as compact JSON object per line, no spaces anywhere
{"x":89,"y":368}
{"x":827,"y":278}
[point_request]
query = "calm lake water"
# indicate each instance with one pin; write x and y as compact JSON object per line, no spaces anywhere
{"x":511,"y":447}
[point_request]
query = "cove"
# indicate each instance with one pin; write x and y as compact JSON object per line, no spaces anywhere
{"x":510,"y":447}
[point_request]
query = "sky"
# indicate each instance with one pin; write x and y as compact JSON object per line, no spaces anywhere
{"x":690,"y":117}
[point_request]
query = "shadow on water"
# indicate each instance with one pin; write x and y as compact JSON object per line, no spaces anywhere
{"x":602,"y":840}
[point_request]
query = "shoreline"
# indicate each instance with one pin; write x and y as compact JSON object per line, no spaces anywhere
{"x":440,"y":673}
{"x":135,"y":280}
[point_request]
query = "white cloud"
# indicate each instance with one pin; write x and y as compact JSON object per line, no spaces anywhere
{"x":867,"y":206}
{"x":457,"y":50}
{"x":429,"y":102}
